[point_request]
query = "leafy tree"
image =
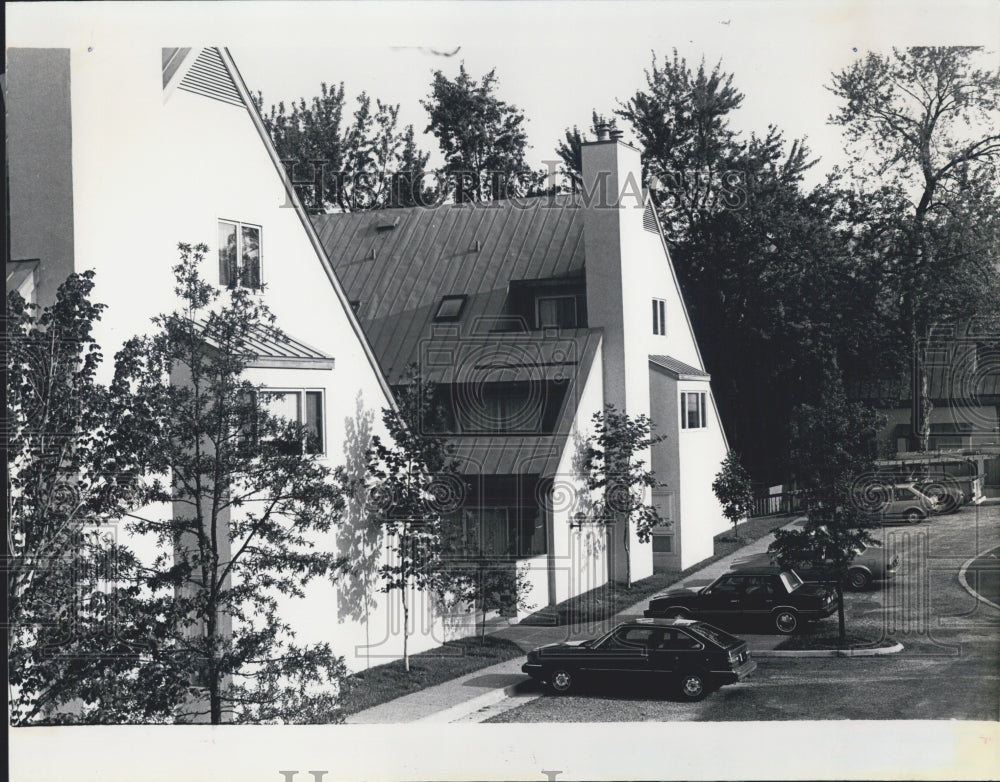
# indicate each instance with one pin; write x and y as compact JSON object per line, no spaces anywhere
{"x":481,"y":136}
{"x":411,"y":478}
{"x":74,"y":469}
{"x":248,"y":501}
{"x":834,"y":444}
{"x":368,"y":162}
{"x":612,"y":464}
{"x":733,"y":489}
{"x":569,"y":149}
{"x":922,"y":127}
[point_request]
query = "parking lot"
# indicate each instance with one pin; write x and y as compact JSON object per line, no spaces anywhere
{"x":949,"y":667}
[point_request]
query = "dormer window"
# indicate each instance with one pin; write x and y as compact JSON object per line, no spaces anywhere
{"x":239,"y":255}
{"x":450,"y":308}
{"x":556,"y":312}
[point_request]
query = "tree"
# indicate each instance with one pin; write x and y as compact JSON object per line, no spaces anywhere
{"x":613,"y":465}
{"x":569,"y":149}
{"x":833,"y":447}
{"x":922,"y":125}
{"x":367,"y":163}
{"x":410,"y":477}
{"x":248,"y":503}
{"x":732,"y":488}
{"x":74,"y":469}
{"x":481,"y":136}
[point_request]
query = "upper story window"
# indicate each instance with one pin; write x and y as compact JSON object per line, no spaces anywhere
{"x":692,"y":410}
{"x":450,"y":308}
{"x":239,"y":254}
{"x":659,"y":317}
{"x":556,"y":312}
{"x":300,"y":407}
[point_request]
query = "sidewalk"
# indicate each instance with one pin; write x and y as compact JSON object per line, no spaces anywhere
{"x":452,"y":700}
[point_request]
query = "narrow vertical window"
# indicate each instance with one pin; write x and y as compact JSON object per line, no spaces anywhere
{"x":239,"y":255}
{"x":693,"y":410}
{"x":659,"y":317}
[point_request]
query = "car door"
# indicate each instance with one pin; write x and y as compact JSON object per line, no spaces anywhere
{"x":758,"y":596}
{"x":624,"y":653}
{"x":722,"y":602}
{"x":675,"y":652}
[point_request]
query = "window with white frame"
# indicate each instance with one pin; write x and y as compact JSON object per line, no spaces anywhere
{"x":299,"y":406}
{"x":239,"y":255}
{"x":692,"y":410}
{"x":659,"y":317}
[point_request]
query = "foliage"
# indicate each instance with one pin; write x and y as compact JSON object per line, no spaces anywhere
{"x":412,"y":479}
{"x":921,"y":126}
{"x":481,"y":136}
{"x":248,"y":508}
{"x":613,"y":465}
{"x":733,"y":489}
{"x":474,"y":577}
{"x":368,"y":162}
{"x":834,"y":444}
{"x":569,"y":149}
{"x":74,"y":468}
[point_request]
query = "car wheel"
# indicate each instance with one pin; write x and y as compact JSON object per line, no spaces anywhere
{"x":859,"y":580}
{"x":786,"y":621}
{"x":913,"y":516}
{"x":692,"y":686}
{"x":561,"y":680}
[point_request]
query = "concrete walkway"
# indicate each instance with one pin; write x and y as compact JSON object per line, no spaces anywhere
{"x":455,"y":699}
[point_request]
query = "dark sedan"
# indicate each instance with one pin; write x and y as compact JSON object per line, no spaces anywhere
{"x":778,"y":597}
{"x":695,"y":657}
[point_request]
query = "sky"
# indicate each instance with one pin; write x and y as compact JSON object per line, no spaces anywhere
{"x":555,"y":60}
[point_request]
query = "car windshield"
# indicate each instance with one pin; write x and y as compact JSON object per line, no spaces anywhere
{"x":791,"y":580}
{"x":714,"y":634}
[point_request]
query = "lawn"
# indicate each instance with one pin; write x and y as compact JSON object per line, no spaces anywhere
{"x":387,"y":682}
{"x":827,"y":639}
{"x":609,"y":599}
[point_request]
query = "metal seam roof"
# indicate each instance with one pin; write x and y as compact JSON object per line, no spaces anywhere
{"x":671,"y":364}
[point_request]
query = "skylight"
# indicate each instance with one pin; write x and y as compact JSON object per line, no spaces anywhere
{"x":450,"y":308}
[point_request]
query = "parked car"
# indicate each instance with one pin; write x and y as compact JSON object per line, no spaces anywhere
{"x":692,"y":656}
{"x":758,"y":594}
{"x":906,"y":502}
{"x":946,"y":491}
{"x":870,"y":565}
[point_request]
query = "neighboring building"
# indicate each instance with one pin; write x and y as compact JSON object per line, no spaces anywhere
{"x":116,"y":155}
{"x":959,"y":375}
{"x":530,"y":315}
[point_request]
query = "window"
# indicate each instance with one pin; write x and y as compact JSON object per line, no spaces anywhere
{"x":239,"y":255}
{"x":300,"y":407}
{"x":450,"y":308}
{"x":556,"y":312}
{"x":659,"y":317}
{"x":693,"y":410}
{"x":677,"y":640}
{"x":663,"y":544}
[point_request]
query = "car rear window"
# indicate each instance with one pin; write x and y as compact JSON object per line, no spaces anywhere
{"x":714,"y":634}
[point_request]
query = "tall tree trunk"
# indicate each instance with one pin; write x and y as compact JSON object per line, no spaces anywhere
{"x":406,"y":629}
{"x":628,"y":556}
{"x":842,"y":626}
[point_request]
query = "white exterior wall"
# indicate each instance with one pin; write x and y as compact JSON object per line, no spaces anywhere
{"x":154,"y":169}
{"x":578,"y":556}
{"x":646,"y":273}
{"x":701,"y":452}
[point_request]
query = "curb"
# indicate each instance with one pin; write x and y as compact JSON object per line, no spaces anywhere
{"x":464,"y":709}
{"x":965,"y":584}
{"x":898,"y":647}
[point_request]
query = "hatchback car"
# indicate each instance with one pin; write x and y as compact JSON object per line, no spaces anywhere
{"x":908,"y":503}
{"x":755,"y":594}
{"x":871,"y":565}
{"x":692,"y":656}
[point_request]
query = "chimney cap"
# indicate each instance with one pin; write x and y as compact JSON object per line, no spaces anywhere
{"x":602,"y":131}
{"x":616,"y":134}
